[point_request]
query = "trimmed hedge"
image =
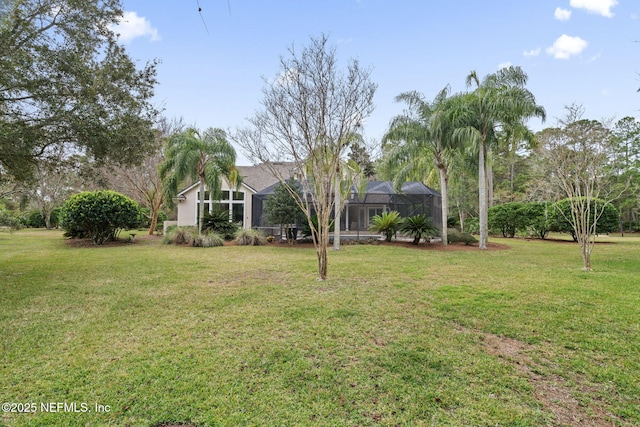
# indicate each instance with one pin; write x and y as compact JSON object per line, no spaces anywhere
{"x":99,"y":215}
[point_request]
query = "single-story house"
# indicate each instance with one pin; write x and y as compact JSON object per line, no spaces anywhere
{"x":245,"y":203}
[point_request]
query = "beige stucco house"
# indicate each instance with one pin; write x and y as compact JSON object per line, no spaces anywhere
{"x":237,"y":200}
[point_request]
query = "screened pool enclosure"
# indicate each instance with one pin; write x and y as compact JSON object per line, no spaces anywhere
{"x":414,"y":198}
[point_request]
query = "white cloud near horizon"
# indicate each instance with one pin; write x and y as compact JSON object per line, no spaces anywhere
{"x":600,"y":7}
{"x":532,"y":53}
{"x":567,"y":46}
{"x":562,"y":14}
{"x":132,"y":26}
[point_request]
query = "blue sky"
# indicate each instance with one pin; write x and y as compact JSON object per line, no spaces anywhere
{"x":211,"y":72}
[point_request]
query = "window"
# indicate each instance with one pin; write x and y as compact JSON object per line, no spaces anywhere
{"x":375,"y":211}
{"x":231,"y":201}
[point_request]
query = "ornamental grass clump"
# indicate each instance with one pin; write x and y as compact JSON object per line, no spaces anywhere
{"x":250,"y":238}
{"x":179,"y":236}
{"x":207,"y":240}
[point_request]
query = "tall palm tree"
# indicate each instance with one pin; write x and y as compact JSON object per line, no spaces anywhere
{"x":499,"y":100}
{"x":206,"y":157}
{"x":422,"y":140}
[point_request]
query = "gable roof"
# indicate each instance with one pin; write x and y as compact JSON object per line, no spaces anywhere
{"x":256,"y":178}
{"x":259,"y":177}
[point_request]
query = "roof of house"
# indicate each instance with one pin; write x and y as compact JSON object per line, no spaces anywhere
{"x":259,"y":177}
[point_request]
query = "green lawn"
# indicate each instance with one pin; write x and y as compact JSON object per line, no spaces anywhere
{"x":165,"y":335}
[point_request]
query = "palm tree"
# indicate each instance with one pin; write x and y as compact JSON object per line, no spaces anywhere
{"x":499,"y":100}
{"x":206,"y":157}
{"x":422,"y":140}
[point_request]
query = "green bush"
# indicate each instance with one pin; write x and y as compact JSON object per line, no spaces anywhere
{"x":250,"y":238}
{"x":99,"y":215}
{"x":608,"y":222}
{"x":8,"y":219}
{"x":418,"y":226}
{"x":218,"y":222}
{"x":538,"y":218}
{"x":387,"y":224}
{"x":306,"y":228}
{"x":507,"y":218}
{"x":35,"y":219}
{"x":146,"y":219}
{"x":454,"y":236}
{"x":472,"y":225}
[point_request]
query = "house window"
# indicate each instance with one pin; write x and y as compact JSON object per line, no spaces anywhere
{"x":375,"y":211}
{"x":231,"y":201}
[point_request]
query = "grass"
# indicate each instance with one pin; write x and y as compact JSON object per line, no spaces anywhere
{"x":247,"y":336}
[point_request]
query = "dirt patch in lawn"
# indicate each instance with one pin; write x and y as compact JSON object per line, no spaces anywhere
{"x":551,"y":390}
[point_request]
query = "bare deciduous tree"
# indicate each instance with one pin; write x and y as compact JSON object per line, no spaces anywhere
{"x":142,"y":182}
{"x":309,"y":111}
{"x":577,"y":153}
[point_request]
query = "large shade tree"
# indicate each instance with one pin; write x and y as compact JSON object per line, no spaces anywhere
{"x":65,"y":79}
{"x":420,"y":141}
{"x":498,"y":100}
{"x":204,"y":156}
{"x":309,"y":111}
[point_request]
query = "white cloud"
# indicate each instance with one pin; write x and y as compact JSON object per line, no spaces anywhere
{"x":562,"y":14}
{"x":635,"y":16}
{"x":504,"y":65}
{"x":531,"y":53}
{"x":566,"y":46}
{"x":600,"y":7}
{"x":132,"y":26}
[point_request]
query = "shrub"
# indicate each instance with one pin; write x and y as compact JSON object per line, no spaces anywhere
{"x":454,"y":236}
{"x":387,"y":224}
{"x":472,"y":225}
{"x":145,"y":222}
{"x":35,"y":219}
{"x":418,"y":226}
{"x":179,"y":235}
{"x":207,"y":240}
{"x":507,"y":218}
{"x":306,"y":228}
{"x":8,"y":219}
{"x":538,"y":217}
{"x":250,"y":238}
{"x":607,"y":223}
{"x":218,"y":222}
{"x":99,"y":215}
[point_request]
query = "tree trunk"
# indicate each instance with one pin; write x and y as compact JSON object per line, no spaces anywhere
{"x":585,"y":250}
{"x":336,"y":226}
{"x":201,"y":207}
{"x":444,"y":192}
{"x":323,"y":243}
{"x":489,"y":173}
{"x":47,"y":218}
{"x":155,"y":211}
{"x":482,"y":198}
